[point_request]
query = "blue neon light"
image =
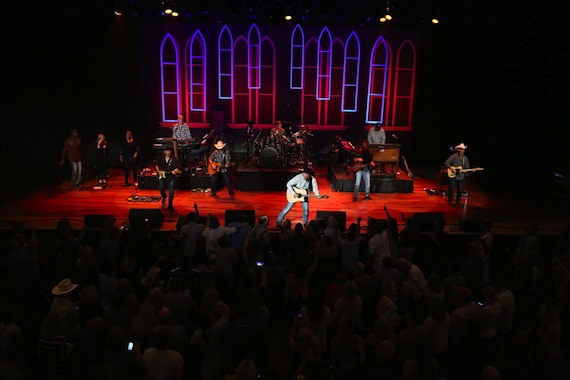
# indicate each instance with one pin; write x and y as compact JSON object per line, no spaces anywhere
{"x":297,"y":65}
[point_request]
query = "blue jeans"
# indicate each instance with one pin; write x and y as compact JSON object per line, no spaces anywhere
{"x":288,"y":208}
{"x":359,"y":174}
{"x":226,"y":178}
{"x":76,"y":168}
{"x":453,"y":184}
{"x":163,"y":183}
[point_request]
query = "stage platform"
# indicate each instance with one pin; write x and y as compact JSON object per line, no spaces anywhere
{"x":396,"y":182}
{"x":244,"y":178}
{"x":259,"y":178}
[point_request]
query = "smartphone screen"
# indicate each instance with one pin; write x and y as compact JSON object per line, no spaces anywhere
{"x":130,"y":346}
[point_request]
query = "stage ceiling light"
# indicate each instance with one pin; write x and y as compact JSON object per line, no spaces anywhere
{"x":383,"y":19}
{"x":288,"y":18}
{"x":434,"y":21}
{"x":168,"y":11}
{"x":174,"y":14}
{"x":118,"y":13}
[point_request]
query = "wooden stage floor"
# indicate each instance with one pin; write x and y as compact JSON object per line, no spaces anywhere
{"x":43,"y":207}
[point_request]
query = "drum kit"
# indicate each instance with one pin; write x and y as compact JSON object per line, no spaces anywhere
{"x":278,"y":151}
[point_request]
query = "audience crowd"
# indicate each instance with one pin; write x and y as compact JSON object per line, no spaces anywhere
{"x":209,"y":301}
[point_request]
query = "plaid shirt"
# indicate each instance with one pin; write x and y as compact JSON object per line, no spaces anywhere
{"x":181,"y":132}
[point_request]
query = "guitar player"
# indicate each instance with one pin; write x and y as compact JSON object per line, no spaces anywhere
{"x":167,"y":168}
{"x":361,"y":167}
{"x":299,"y":189}
{"x":457,"y":183}
{"x":218,"y":163}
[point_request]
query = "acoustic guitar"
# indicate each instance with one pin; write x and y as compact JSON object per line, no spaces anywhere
{"x":301,"y":195}
{"x":460,"y":169}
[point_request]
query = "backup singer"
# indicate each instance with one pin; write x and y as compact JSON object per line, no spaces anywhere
{"x":102,"y":160}
{"x":128,"y":155}
{"x":362,"y":164}
{"x":73,"y":151}
{"x":458,"y":182}
{"x":167,"y":168}
{"x":300,"y":187}
{"x":219,"y":162}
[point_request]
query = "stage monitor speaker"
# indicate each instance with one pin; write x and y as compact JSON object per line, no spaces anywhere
{"x":340,"y":217}
{"x":143,"y":216}
{"x":234,"y":215}
{"x":425,"y":221}
{"x":95,"y":221}
{"x":471,"y":225}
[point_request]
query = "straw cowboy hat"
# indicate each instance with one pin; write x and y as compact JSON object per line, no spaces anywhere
{"x":65,"y":286}
{"x":220,"y":145}
{"x":461,"y":146}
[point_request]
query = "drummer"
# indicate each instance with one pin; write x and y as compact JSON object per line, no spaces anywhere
{"x":277,"y":133}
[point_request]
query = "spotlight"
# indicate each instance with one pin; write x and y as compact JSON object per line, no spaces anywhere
{"x":288,"y":18}
{"x":388,"y":17}
{"x":168,"y":11}
{"x":383,"y":19}
{"x":174,"y":14}
{"x":435,"y":20}
{"x":118,"y":12}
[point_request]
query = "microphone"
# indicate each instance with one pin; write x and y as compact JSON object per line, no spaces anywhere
{"x":394,"y":136}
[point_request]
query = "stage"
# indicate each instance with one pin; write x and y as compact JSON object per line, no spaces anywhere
{"x":262,"y":192}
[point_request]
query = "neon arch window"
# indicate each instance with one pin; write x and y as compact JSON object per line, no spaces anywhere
{"x":297,"y":58}
{"x":351,"y":74}
{"x":225,"y":64}
{"x":324,"y":64}
{"x":169,"y":78}
{"x":377,"y":82}
{"x":196,"y":66}
{"x":404,"y":86}
{"x":254,"y":58}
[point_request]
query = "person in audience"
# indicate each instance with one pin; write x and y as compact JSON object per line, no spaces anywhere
{"x":378,"y":245}
{"x":349,"y":305}
{"x":160,"y":361}
{"x":318,"y":318}
{"x":64,"y":306}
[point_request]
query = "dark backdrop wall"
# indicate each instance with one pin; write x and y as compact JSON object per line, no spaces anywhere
{"x":499,"y":84}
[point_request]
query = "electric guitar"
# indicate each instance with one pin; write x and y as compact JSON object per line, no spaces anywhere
{"x":163,"y":173}
{"x":301,"y":195}
{"x":460,"y":169}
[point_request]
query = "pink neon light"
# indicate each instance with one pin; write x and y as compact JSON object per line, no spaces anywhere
{"x":169,"y":77}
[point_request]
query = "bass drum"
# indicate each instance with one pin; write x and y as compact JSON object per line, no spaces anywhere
{"x":269,"y":157}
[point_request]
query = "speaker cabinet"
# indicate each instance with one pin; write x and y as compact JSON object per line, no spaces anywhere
{"x":144,"y":216}
{"x":234,"y":216}
{"x":426,"y":221}
{"x":340,"y":217}
{"x":95,"y":221}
